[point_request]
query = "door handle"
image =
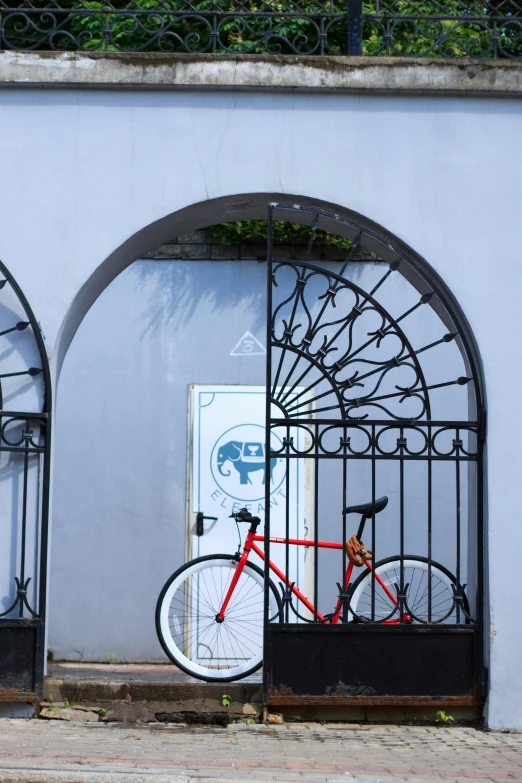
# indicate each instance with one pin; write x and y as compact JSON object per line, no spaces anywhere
{"x":200,"y":522}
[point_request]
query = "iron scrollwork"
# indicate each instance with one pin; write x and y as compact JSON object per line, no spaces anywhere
{"x":350,"y":372}
{"x":294,"y":27}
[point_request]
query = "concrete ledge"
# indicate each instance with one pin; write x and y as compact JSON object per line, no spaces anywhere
{"x":87,"y":691}
{"x":375,"y":75}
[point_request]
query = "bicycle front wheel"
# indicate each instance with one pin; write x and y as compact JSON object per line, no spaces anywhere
{"x":186,"y":618}
{"x":441,"y":608}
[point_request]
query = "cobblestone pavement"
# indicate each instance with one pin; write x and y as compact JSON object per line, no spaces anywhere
{"x":37,"y":750}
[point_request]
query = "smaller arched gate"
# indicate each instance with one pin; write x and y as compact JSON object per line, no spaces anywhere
{"x":25,"y":409}
{"x":374,"y":405}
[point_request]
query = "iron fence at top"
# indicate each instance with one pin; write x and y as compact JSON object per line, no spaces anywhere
{"x":436,"y":28}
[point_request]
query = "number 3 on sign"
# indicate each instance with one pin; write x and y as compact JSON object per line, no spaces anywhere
{"x":248,"y":346}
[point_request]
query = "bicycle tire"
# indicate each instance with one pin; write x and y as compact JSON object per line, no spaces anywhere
{"x":439,"y":572}
{"x":176,"y":647}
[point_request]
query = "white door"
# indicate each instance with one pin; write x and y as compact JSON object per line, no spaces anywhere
{"x":228,"y":473}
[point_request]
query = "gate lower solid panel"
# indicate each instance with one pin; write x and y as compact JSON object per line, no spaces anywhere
{"x":18,"y":661}
{"x":321,"y":664}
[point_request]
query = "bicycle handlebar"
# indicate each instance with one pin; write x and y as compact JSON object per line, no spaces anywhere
{"x":243,"y":515}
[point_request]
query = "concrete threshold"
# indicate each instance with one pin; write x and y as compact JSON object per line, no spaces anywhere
{"x":146,"y":693}
{"x":161,"y":693}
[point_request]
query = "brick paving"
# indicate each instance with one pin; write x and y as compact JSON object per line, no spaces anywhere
{"x":37,"y":750}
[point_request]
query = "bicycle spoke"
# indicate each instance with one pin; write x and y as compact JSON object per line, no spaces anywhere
{"x":190,"y":626}
{"x":418,"y":594}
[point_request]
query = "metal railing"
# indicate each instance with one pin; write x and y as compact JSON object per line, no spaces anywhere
{"x":436,"y":28}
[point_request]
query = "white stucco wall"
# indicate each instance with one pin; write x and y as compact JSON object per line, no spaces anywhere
{"x":84,"y":171}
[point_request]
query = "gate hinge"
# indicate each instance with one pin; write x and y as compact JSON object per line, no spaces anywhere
{"x":483,"y":681}
{"x":482,"y":421}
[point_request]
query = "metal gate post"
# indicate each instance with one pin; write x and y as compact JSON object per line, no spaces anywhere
{"x":355,"y":13}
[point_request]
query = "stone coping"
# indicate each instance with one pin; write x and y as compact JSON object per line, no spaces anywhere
{"x":155,"y":71}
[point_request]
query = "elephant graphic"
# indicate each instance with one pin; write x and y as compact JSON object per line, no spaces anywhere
{"x":246,"y":458}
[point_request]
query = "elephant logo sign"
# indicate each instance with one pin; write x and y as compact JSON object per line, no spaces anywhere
{"x":238,"y":463}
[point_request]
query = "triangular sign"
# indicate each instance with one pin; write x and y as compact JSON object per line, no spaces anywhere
{"x":248,"y":346}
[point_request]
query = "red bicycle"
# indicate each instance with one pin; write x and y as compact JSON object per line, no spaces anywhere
{"x":209,"y":615}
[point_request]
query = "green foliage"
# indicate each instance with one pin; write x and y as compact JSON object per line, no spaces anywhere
{"x":449,"y":37}
{"x":226,"y":700}
{"x":284,"y":233}
{"x":286,"y":26}
{"x":66,"y":703}
{"x":110,"y":658}
{"x":443,"y":717}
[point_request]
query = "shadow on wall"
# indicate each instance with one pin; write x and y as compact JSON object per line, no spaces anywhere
{"x":173,"y":299}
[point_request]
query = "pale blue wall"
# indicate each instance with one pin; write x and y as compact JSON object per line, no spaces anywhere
{"x":119,"y":528}
{"x":96,"y":179}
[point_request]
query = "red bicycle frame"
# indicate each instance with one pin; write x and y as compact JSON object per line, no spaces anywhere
{"x":251,"y":546}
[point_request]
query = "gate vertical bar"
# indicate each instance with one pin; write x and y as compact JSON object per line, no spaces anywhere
{"x":373,"y":545}
{"x":457,"y":519}
{"x":345,"y":503}
{"x":316,"y":520}
{"x":430,"y":525}
{"x":46,"y":430}
{"x":355,"y":12}
{"x":401,"y":523}
{"x":268,"y":394}
{"x":44,"y":543}
{"x":288,"y":463}
{"x":483,"y":621}
{"x":24,"y":520}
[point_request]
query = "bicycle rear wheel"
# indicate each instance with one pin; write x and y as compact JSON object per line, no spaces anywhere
{"x":441,"y":609}
{"x":186,"y":618}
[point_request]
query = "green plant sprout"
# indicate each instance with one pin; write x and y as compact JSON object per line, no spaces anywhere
{"x":442,"y":717}
{"x":226,"y":700}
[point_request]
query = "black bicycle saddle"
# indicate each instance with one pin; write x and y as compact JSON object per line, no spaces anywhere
{"x":366,"y":509}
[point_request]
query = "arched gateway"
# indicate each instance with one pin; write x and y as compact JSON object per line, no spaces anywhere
{"x":373,"y":389}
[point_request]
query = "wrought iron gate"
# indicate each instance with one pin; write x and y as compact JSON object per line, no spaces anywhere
{"x":25,"y":409}
{"x":368,"y":361}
